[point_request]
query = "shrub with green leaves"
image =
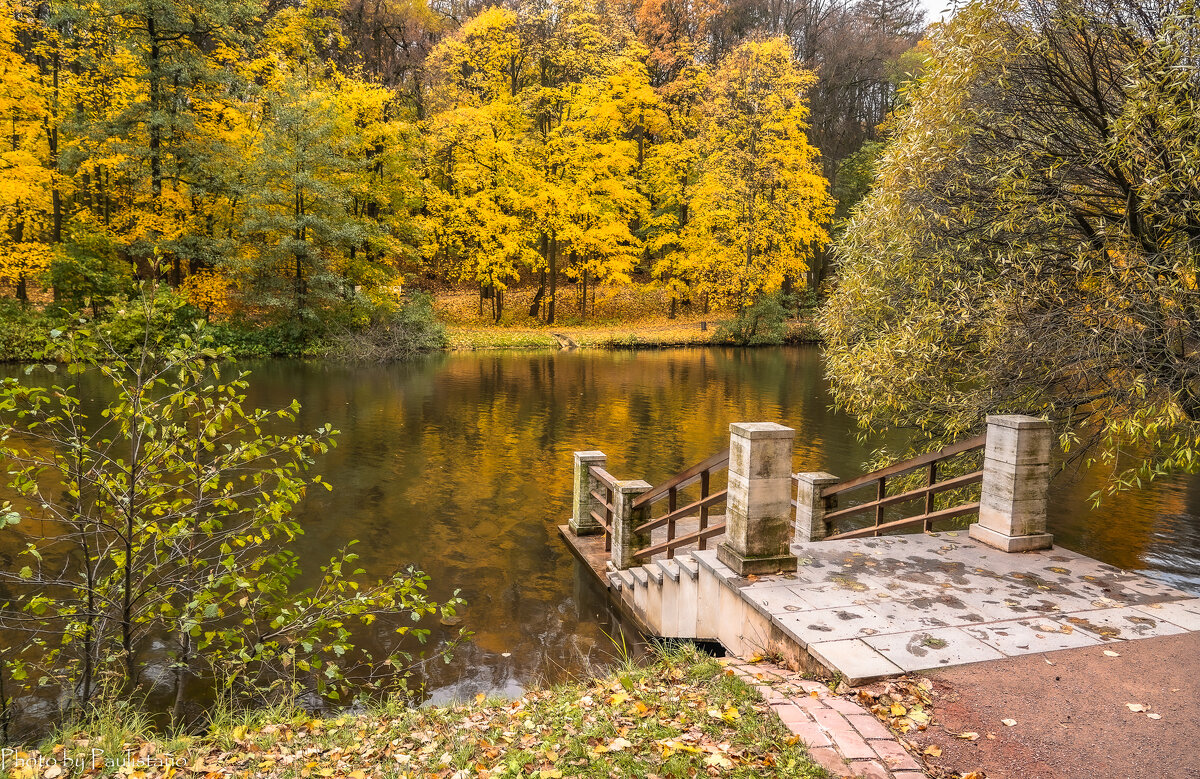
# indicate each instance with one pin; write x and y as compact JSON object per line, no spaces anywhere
{"x":160,"y":522}
{"x":762,"y":323}
{"x":409,"y":330}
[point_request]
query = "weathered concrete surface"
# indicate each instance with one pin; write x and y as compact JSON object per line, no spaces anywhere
{"x":1016,"y":483}
{"x":758,"y":511}
{"x":1072,"y":721}
{"x":878,"y":607}
{"x":874,"y":607}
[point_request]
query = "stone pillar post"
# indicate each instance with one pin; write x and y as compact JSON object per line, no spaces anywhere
{"x":759,"y":503}
{"x":625,"y":542}
{"x":810,"y":506}
{"x":1016,"y":481}
{"x":584,"y":504}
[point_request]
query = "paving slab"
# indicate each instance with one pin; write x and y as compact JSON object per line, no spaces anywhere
{"x":864,"y":607}
{"x":815,"y":626}
{"x":856,"y":660}
{"x":1021,"y":637}
{"x":919,"y":650}
{"x":1184,"y":613}
{"x":1122,"y":623}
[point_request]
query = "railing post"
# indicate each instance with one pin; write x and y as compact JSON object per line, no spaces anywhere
{"x":582,"y":523}
{"x":810,"y":506}
{"x":759,"y":502}
{"x":625,"y":542}
{"x":1016,"y":482}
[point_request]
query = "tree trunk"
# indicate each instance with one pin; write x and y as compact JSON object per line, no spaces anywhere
{"x":553,"y":271}
{"x":155,"y":88}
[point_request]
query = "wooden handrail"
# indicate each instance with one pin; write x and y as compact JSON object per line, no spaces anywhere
{"x":959,"y":481}
{"x":905,"y":466}
{"x":681,"y":479}
{"x":874,"y":530}
{"x":601,"y":521}
{"x":679,"y":513}
{"x":666,"y":546}
{"x":604,"y":476}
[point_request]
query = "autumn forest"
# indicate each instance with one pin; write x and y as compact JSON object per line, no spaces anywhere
{"x":302,"y":163}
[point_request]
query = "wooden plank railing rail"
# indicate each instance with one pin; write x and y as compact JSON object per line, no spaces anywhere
{"x":879,"y":479}
{"x":605,"y":519}
{"x":700,"y":509}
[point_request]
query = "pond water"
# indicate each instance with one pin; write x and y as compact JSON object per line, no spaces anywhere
{"x":460,"y":464}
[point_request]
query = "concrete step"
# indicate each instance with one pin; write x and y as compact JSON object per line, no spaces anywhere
{"x":614,"y":581}
{"x":639,"y":575}
{"x":688,"y":565}
{"x":626,"y":579}
{"x":669,"y":568}
{"x":655,"y":573}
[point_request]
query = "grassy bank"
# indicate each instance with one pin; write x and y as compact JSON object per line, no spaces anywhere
{"x":617,"y":317}
{"x":680,"y":716}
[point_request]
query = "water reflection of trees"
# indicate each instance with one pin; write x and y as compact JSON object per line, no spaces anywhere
{"x":461,"y":465}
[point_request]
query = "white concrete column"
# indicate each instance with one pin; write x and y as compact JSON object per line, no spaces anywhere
{"x":810,"y":506}
{"x":759,"y":503}
{"x":583,"y":503}
{"x":625,"y":542}
{"x":1016,"y":483}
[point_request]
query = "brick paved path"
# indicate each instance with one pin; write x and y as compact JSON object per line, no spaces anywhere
{"x":846,"y":739}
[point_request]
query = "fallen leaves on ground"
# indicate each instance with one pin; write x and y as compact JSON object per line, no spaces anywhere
{"x":902,"y":703}
{"x":674,"y":719}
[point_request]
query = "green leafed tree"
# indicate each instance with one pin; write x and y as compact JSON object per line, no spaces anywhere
{"x":151,"y":535}
{"x":1031,"y":241}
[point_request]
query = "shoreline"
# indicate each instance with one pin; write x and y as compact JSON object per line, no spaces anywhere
{"x":468,"y":338}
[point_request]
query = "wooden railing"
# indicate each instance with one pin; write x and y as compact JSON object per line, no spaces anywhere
{"x":605,"y":520}
{"x":879,"y":479}
{"x":700,"y":509}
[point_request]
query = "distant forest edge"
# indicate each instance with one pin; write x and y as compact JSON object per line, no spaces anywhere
{"x":285,"y":170}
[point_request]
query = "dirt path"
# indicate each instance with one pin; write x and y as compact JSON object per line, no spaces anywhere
{"x":1072,"y":721}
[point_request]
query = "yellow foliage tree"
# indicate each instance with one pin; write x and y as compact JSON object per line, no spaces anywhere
{"x":761,"y":205}
{"x":26,"y":178}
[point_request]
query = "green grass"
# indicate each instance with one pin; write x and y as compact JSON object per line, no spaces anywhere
{"x":680,"y":716}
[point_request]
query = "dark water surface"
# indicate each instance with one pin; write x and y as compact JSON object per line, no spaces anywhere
{"x":461,"y":465}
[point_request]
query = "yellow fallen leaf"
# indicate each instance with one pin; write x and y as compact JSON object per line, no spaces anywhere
{"x":898,"y":710}
{"x":970,"y":735}
{"x":719,"y":760}
{"x":1009,"y":722}
{"x":616,"y":699}
{"x":731,"y":714}
{"x":1110,"y":653}
{"x":1136,"y":707}
{"x":1154,"y":716}
{"x":933,"y":750}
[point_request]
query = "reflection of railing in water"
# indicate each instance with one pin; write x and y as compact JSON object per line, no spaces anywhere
{"x":759,"y":510}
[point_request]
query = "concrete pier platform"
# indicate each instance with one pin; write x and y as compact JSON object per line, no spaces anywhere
{"x":872,"y":608}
